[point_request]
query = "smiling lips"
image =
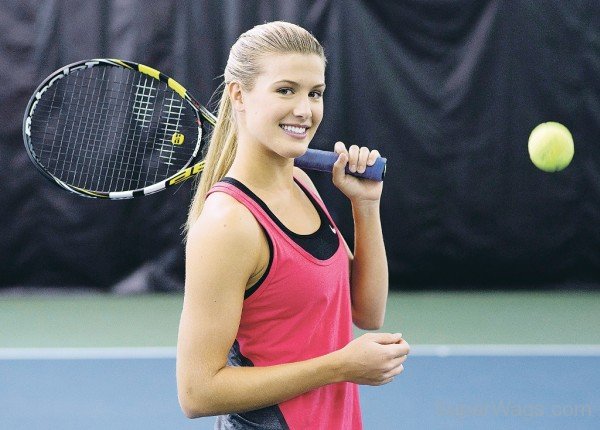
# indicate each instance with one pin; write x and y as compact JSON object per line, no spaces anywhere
{"x":297,"y":131}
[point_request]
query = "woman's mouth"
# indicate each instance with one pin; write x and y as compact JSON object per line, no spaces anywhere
{"x":297,"y":131}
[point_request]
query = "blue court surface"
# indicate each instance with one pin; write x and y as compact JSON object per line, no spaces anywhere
{"x":457,"y":387}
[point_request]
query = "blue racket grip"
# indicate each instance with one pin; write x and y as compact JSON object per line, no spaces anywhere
{"x":315,"y":159}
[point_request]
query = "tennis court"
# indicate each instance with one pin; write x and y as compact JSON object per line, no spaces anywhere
{"x":490,"y":227}
{"x":479,"y":360}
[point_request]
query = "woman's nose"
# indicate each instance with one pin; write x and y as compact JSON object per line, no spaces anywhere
{"x":303,"y":108}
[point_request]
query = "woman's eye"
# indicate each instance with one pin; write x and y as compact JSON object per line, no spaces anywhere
{"x":316,"y":94}
{"x":285,"y":91}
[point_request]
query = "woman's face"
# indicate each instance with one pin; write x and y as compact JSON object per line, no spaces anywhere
{"x":284,"y":108}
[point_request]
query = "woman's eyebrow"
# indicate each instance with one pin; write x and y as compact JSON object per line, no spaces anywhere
{"x":294,"y":83}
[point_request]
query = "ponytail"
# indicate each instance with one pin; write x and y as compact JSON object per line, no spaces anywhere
{"x":219,"y":158}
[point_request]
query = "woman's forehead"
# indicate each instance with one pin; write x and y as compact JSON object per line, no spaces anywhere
{"x":301,"y":68}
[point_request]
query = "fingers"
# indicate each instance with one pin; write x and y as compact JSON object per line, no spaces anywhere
{"x":373,"y":156}
{"x":339,"y":147}
{"x":363,"y":157}
{"x":358,"y":158}
{"x":394,"y":345}
{"x":396,"y":363}
{"x":389,"y":376}
{"x":339,"y":167}
{"x":394,"y":369}
{"x":376,"y":358}
{"x":396,"y":348}
{"x":353,"y":154}
{"x":386,"y":338}
{"x":402,"y":347}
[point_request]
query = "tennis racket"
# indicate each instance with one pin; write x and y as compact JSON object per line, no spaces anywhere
{"x":116,"y":129}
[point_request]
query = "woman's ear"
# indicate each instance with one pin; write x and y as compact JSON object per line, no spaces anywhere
{"x":236,"y":96}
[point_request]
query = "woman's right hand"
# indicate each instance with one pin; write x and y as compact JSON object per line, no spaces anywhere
{"x":373,"y":358}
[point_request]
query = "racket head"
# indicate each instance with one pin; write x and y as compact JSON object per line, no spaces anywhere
{"x":115,"y":129}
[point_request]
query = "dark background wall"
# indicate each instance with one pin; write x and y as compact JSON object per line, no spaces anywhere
{"x":447,"y":90}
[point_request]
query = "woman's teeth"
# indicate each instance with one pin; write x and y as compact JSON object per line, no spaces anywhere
{"x":293,"y":129}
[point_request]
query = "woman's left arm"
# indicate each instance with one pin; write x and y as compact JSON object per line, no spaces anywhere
{"x":368,"y":268}
{"x":368,"y":263}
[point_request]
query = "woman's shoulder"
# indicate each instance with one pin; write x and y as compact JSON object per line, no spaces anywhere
{"x":224,"y":219}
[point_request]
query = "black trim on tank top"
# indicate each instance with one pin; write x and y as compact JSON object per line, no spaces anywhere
{"x":258,"y":283}
{"x":268,"y":418}
{"x":322,"y":244}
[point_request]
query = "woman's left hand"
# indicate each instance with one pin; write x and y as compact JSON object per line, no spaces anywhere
{"x":359,"y":191}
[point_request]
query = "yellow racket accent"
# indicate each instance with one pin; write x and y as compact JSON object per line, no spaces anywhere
{"x":89,"y":193}
{"x":184,"y":174}
{"x":177,"y":139}
{"x":121,"y":63}
{"x":149,"y":71}
{"x":177,"y":87}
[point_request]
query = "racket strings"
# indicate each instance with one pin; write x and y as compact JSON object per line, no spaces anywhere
{"x":83,"y":134}
{"x":171,"y":119}
{"x":122,"y":176}
{"x":112,"y":129}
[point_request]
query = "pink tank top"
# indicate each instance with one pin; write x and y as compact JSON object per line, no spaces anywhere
{"x":301,"y":310}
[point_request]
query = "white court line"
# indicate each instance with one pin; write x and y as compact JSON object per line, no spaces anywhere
{"x":86,"y":353}
{"x":417,"y":350}
{"x":504,"y":350}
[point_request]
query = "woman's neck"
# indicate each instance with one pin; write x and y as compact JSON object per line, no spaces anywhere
{"x":262,"y":170}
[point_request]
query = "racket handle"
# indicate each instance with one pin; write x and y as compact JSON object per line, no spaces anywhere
{"x":315,"y":159}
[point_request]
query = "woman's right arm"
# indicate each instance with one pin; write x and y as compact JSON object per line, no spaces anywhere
{"x":221,"y":255}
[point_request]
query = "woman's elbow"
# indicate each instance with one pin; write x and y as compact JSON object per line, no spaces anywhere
{"x":194,"y":405}
{"x":194,"y":409}
{"x":368,"y":322}
{"x":368,"y":326}
{"x":189,"y":412}
{"x":193,"y":413}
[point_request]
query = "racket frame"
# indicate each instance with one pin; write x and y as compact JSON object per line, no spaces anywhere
{"x":189,"y":169}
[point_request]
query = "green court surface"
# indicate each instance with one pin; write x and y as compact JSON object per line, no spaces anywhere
{"x":510,"y":360}
{"x":98,"y":320}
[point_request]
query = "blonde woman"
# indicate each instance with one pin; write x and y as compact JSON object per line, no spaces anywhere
{"x":272,"y":289}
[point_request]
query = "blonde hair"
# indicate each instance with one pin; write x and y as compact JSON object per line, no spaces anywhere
{"x":243,"y":66}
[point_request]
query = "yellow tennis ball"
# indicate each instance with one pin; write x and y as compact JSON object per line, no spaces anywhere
{"x":551,"y":146}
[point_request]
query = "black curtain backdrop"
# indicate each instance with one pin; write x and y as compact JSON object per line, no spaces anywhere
{"x":447,"y":90}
